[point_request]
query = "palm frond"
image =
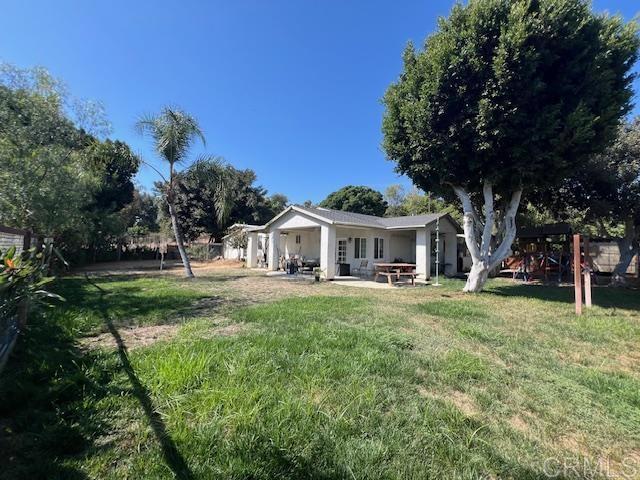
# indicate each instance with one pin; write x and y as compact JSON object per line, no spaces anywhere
{"x":173,"y":132}
{"x":217,"y":174}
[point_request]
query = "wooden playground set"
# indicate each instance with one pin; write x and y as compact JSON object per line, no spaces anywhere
{"x":546,"y":254}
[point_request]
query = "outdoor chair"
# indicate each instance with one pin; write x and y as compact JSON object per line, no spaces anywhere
{"x":362,"y":269}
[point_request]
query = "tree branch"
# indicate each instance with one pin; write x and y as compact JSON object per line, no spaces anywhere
{"x":468,"y":222}
{"x":509,"y":230}
{"x":489,"y":219}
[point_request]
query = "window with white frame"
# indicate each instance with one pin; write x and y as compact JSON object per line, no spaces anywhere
{"x":298,"y":239}
{"x":360,"y":248}
{"x":378,"y":248}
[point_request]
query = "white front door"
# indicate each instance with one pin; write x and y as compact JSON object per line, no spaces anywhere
{"x":341,"y":255}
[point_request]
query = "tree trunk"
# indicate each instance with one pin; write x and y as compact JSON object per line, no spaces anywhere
{"x":628,"y":247}
{"x":481,"y":235}
{"x":178,"y":234}
{"x":478,"y":276}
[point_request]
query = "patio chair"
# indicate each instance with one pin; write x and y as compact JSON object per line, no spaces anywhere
{"x":363,"y":268}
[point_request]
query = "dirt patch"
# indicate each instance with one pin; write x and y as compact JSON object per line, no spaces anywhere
{"x":461,"y":400}
{"x":143,"y":267}
{"x":229,"y":330}
{"x":132,"y":337}
{"x":519,"y":424}
{"x":628,"y":362}
{"x":575,"y":443}
{"x":464,"y":403}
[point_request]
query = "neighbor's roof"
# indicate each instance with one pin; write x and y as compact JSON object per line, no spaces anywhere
{"x":338,"y":217}
{"x":233,"y":229}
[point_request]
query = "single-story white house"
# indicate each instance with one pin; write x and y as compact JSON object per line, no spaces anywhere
{"x":230,"y":248}
{"x":336,"y":237}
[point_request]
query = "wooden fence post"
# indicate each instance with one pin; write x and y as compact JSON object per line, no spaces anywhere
{"x":587,"y":273}
{"x":26,"y":241}
{"x":577,"y":274}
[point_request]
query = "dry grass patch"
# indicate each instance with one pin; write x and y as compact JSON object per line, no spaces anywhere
{"x":132,"y":337}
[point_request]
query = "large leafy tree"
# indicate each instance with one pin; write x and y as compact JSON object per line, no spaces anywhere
{"x":356,"y":199}
{"x":174,"y":132}
{"x":114,"y":165}
{"x":203,"y":197}
{"x":141,"y":214}
{"x":48,"y":181}
{"x":44,"y":184}
{"x":621,"y":162}
{"x":605,"y":192}
{"x":57,"y":176}
{"x":416,"y":203}
{"x":198,"y":197}
{"x":507,"y":96}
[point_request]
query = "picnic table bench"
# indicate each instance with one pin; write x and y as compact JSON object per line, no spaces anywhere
{"x":398,"y":270}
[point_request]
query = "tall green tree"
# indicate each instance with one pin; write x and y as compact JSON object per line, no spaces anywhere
{"x":356,"y":199}
{"x":141,"y":215}
{"x":115,"y":166}
{"x":58,"y":175}
{"x":507,"y":96}
{"x":416,"y":203}
{"x":198,"y":199}
{"x":173,"y":132}
{"x":203,"y":200}
{"x":605,"y":192}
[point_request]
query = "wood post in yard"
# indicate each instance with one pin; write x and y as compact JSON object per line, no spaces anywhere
{"x":587,"y":273}
{"x":577,"y":274}
{"x":26,"y":241}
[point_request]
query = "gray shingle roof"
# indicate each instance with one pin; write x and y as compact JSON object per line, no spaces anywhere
{"x":349,"y":218}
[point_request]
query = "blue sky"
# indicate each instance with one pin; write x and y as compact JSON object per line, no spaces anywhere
{"x":289,"y":88}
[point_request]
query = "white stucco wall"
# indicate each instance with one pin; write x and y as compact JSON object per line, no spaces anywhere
{"x":448,"y":247}
{"x":231,"y":253}
{"x":282,"y":237}
{"x":403,"y":245}
{"x":309,"y":246}
{"x":396,"y":245}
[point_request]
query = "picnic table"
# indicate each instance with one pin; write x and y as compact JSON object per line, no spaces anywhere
{"x":398,"y":270}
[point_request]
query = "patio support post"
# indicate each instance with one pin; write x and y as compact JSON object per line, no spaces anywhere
{"x":328,"y":251}
{"x":252,"y":250}
{"x":274,"y":246}
{"x":423,"y":253}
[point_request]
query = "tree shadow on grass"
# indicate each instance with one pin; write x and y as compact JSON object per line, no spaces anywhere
{"x":46,"y":393}
{"x":606,"y":297}
{"x":130,"y":303}
{"x":172,"y":456}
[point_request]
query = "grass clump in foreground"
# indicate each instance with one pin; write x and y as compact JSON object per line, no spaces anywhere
{"x":414,"y":383}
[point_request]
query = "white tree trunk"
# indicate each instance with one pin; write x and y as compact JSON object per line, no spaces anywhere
{"x":178,"y":234}
{"x":628,"y":247}
{"x":480,"y":233}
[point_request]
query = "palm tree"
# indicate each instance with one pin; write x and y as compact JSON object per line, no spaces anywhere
{"x":173,"y":132}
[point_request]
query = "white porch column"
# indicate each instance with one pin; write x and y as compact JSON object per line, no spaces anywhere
{"x":328,"y":251}
{"x":274,"y":244}
{"x":252,"y":250}
{"x":423,"y":253}
{"x":450,"y":254}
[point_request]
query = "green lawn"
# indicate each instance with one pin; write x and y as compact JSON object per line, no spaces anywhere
{"x":323,"y":381}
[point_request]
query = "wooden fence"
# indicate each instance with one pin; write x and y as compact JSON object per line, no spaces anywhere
{"x":15,"y":237}
{"x":10,"y":320}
